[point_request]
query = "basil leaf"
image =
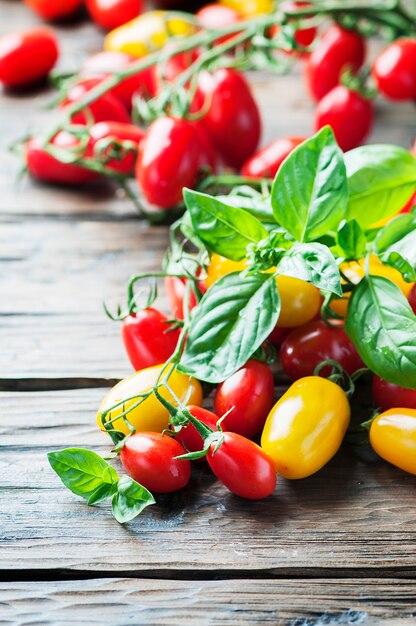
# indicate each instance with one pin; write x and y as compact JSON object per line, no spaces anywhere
{"x":130,"y":499}
{"x":258,"y":205}
{"x":382,"y":326}
{"x":314,"y":263}
{"x":225,"y":229}
{"x":351,"y":239}
{"x":396,"y":245}
{"x":381,"y":179}
{"x":231,"y":321}
{"x":84,"y":472}
{"x":310,"y":192}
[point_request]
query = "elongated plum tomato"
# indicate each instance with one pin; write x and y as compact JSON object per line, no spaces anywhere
{"x":266,"y":162}
{"x":393,"y":437}
{"x":27,"y":56}
{"x":249,"y":8}
{"x":149,"y":415}
{"x":247,"y":396}
{"x":104,"y":109}
{"x":394,"y":70}
{"x":110,"y":14}
{"x":307,"y":346}
{"x":148,"y":338}
{"x":189,"y":437}
{"x":305,"y":428}
{"x":149,"y":458}
{"x":175,"y":290}
{"x":303,"y":36}
{"x":243,"y":467}
{"x":52,"y":10}
{"x":388,"y":396}
{"x":214,"y":16}
{"x":115,"y":144}
{"x":348,"y":113}
{"x":339,"y":49}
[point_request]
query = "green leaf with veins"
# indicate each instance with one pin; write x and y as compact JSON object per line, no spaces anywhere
{"x":395,"y":244}
{"x":314,"y":263}
{"x":351,"y":240}
{"x":130,"y":499}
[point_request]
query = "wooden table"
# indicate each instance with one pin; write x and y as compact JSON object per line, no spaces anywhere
{"x":340,"y":544}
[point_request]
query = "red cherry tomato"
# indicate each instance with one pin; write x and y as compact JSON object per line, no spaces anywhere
{"x":175,"y":290}
{"x":53,"y":10}
{"x":307,"y":346}
{"x":189,"y":437}
{"x":303,"y":36}
{"x":266,"y":162}
{"x":389,"y":396}
{"x":118,"y":141}
{"x":233,"y":120}
{"x":243,"y":467}
{"x":338,"y":49}
{"x":277,"y":336}
{"x":106,"y":108}
{"x":394,"y":70}
{"x":148,"y":338}
{"x":149,"y":458}
{"x":412,"y":298}
{"x":27,"y":56}
{"x":43,"y":166}
{"x":110,"y":14}
{"x":248,"y":395}
{"x":214,"y":16}
{"x":349,"y":114}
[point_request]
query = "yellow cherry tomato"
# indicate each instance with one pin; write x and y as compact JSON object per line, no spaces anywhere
{"x":306,"y":426}
{"x":393,"y":437}
{"x":146,"y":33}
{"x":300,"y":301}
{"x":249,"y":8}
{"x":150,"y":415}
{"x":219,"y":266}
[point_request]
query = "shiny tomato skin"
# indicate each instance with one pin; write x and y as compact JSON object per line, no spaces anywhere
{"x":337,"y":50}
{"x":307,"y":346}
{"x":52,"y":10}
{"x":300,"y":301}
{"x":148,"y":338}
{"x":110,"y":14}
{"x":27,"y":56}
{"x":243,"y":467}
{"x":149,"y":459}
{"x":117,"y":133}
{"x":104,"y":109}
{"x":278,"y":335}
{"x":189,"y":437}
{"x":349,"y":114}
{"x":393,"y":437}
{"x":248,"y":395}
{"x":266,"y":162}
{"x":213,"y":16}
{"x":412,"y":298}
{"x":388,"y":396}
{"x":394,"y":70}
{"x":175,"y":290}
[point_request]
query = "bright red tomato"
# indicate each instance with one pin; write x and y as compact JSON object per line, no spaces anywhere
{"x":148,"y":338}
{"x":27,"y":56}
{"x":307,"y":346}
{"x":338,"y":50}
{"x":389,"y":396}
{"x":214,"y":16}
{"x":266,"y":162}
{"x":243,"y":467}
{"x":53,"y":10}
{"x":189,"y":437}
{"x":303,"y":36}
{"x":169,"y":71}
{"x":110,"y":14}
{"x":233,"y":120}
{"x":149,"y":458}
{"x":412,"y":298}
{"x":394,"y":70}
{"x":175,"y":290}
{"x":248,"y":395}
{"x":115,"y":144}
{"x":43,"y":166}
{"x":349,"y":114}
{"x":106,"y":108}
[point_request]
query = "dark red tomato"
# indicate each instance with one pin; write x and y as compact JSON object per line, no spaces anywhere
{"x":105,"y":63}
{"x":303,"y":36}
{"x":175,"y":290}
{"x":27,"y":56}
{"x":189,"y":437}
{"x":149,"y":458}
{"x":412,"y":298}
{"x":169,"y":160}
{"x":394,"y":70}
{"x":266,"y":162}
{"x":51,"y":10}
{"x":43,"y":166}
{"x":148,"y":338}
{"x":233,"y":120}
{"x":106,"y":108}
{"x":349,"y":114}
{"x":115,"y":145}
{"x":215,"y":16}
{"x":243,"y":467}
{"x":277,"y":336}
{"x":110,"y":14}
{"x":338,"y":50}
{"x":249,"y":396}
{"x":307,"y":346}
{"x":389,"y":396}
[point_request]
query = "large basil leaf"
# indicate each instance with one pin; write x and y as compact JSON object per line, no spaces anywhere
{"x":224,"y":229}
{"x":258,"y":205}
{"x":310,"y":191}
{"x":351,"y":239}
{"x":130,"y":499}
{"x":231,"y":321}
{"x":381,"y":179}
{"x":396,"y":245}
{"x":382,"y":326}
{"x":314,"y":263}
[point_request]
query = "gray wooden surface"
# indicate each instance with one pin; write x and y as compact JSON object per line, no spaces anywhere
{"x":338,"y":545}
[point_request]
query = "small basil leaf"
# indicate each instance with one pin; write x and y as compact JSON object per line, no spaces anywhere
{"x":310,"y":192}
{"x":102,"y":492}
{"x":231,"y":321}
{"x":83,"y":472}
{"x":130,"y":499}
{"x":396,"y":245}
{"x":225,"y":229}
{"x":351,"y":239}
{"x":381,"y":179}
{"x":382,"y":327}
{"x":314,"y":263}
